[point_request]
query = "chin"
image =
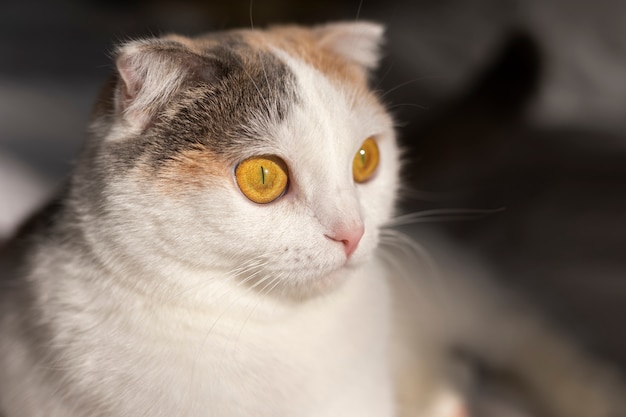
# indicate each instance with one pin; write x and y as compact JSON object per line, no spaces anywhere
{"x":323,"y":284}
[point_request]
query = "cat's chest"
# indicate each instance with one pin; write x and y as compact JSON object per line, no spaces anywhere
{"x":330,"y":359}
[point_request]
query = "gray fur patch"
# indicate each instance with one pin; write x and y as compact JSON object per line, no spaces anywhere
{"x":244,"y":93}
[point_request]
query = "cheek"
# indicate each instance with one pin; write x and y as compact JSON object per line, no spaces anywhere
{"x":191,"y":215}
{"x":268,"y":228}
{"x":281,"y":232}
{"x":377,"y":198}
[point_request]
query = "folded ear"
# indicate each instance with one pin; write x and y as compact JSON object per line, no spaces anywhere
{"x":150,"y":73}
{"x":358,"y":42}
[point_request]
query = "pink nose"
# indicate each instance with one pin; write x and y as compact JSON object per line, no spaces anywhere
{"x":350,"y":237}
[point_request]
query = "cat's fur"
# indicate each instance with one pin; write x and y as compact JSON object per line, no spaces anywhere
{"x":153,"y":287}
{"x":156,"y":288}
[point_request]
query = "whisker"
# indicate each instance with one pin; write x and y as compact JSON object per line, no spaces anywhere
{"x":358,"y":11}
{"x":250,"y":12}
{"x":249,"y":278}
{"x":414,"y":80}
{"x":412,"y":250}
{"x":409,"y":247}
{"x":261,"y":281}
{"x":450,"y":214}
{"x":250,"y":265}
{"x":418,"y":106}
{"x":276,"y":282}
{"x":389,"y":251}
{"x":382,"y":78}
{"x":244,"y":271}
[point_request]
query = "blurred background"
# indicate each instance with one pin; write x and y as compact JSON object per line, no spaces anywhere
{"x":507,"y":104}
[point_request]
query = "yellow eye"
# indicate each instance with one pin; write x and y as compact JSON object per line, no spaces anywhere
{"x":262,"y":179}
{"x":365,"y":161}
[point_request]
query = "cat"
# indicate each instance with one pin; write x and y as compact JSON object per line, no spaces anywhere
{"x":222,"y":249}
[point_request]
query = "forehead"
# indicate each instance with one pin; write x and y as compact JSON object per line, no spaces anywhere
{"x":252,"y":92}
{"x":269,"y":82}
{"x":328,"y":111}
{"x":302,"y":44}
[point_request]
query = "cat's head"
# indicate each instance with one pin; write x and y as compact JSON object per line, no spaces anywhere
{"x":260,"y":153}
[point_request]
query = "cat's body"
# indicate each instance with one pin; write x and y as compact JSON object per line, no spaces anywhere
{"x":156,"y":286}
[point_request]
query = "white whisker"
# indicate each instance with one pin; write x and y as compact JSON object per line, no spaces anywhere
{"x":450,"y":214}
{"x":382,"y":78}
{"x":417,"y":255}
{"x":414,"y":80}
{"x":358,"y":11}
{"x":418,"y":106}
{"x":261,"y":281}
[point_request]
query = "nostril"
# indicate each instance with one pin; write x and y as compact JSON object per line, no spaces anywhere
{"x":350,"y":237}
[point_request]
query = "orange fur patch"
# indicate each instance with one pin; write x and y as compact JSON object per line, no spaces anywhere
{"x":303,"y":43}
{"x":195,"y":169}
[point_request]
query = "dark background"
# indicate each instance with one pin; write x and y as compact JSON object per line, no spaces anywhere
{"x":502,"y":104}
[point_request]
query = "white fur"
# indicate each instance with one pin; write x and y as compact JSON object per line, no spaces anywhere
{"x":166,"y":327}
